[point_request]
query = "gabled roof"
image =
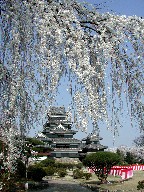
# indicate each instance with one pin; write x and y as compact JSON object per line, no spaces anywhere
{"x":93,"y":137}
{"x":41,"y":135}
{"x":95,"y":146}
{"x":60,"y":127}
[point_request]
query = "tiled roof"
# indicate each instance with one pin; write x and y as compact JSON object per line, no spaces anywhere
{"x":60,"y":126}
{"x":59,"y":130}
{"x":65,"y":149}
{"x":45,"y":139}
{"x":95,"y":146}
{"x":66,"y":140}
{"x":40,"y":135}
{"x":92,"y":137}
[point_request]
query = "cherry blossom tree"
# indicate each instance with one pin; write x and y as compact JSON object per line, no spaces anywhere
{"x":43,"y":40}
{"x":139,"y":141}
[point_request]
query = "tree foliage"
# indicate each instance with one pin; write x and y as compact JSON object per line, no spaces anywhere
{"x":101,"y":163}
{"x":34,"y":141}
{"x":43,"y":40}
{"x":121,"y":154}
{"x":50,"y":170}
{"x":137,"y":153}
{"x":101,"y":54}
{"x":130,"y":158}
{"x":140,"y":185}
{"x":122,"y":157}
{"x":62,"y":172}
{"x":139,"y":141}
{"x":1,"y":146}
{"x":36,"y":173}
{"x":20,"y":171}
{"x":47,"y":162}
{"x":77,"y":174}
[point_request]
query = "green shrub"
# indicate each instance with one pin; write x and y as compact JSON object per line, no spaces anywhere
{"x":79,"y":165}
{"x":70,"y":166}
{"x":65,"y":165}
{"x":87,"y":175}
{"x":140,"y":185}
{"x":47,"y":162}
{"x":62,"y":172}
{"x":50,"y":170}
{"x":62,"y":165}
{"x":101,"y":162}
{"x":77,"y":174}
{"x":36,"y":173}
{"x":59,"y":165}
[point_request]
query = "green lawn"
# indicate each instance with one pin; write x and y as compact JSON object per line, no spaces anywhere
{"x":116,"y":185}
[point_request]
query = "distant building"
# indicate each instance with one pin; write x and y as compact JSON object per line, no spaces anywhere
{"x":58,"y":134}
{"x":92,"y":143}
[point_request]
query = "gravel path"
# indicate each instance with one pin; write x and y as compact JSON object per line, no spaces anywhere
{"x":64,"y":186}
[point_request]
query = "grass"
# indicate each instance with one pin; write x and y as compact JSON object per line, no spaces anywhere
{"x":115,"y":182}
{"x":128,"y":185}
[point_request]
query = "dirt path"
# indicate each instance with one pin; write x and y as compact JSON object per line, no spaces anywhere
{"x":64,"y":186}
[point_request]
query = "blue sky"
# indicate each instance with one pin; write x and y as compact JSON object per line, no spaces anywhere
{"x":127,"y":133}
{"x":128,"y":8}
{"x":120,"y":7}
